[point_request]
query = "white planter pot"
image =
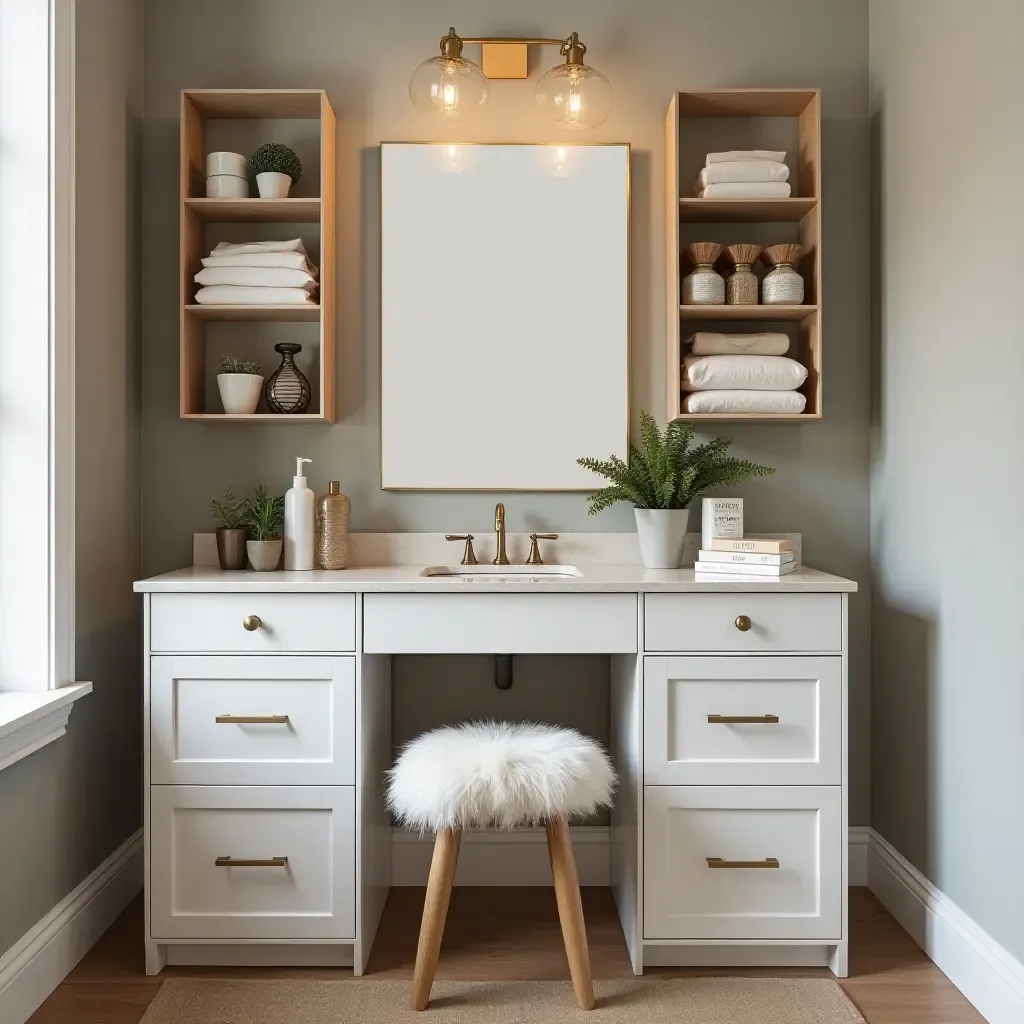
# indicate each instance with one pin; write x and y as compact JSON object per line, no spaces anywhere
{"x":240,"y":392}
{"x":265,"y":555}
{"x":662,"y":534}
{"x":273,"y":185}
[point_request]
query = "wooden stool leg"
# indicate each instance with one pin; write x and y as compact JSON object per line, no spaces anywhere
{"x":435,"y":910}
{"x":570,"y":910}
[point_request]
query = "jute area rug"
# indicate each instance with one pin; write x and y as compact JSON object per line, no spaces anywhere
{"x":726,"y":1000}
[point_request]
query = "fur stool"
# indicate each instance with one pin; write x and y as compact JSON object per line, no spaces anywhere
{"x":500,"y":774}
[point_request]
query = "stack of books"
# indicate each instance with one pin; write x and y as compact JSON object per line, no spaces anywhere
{"x":745,"y":558}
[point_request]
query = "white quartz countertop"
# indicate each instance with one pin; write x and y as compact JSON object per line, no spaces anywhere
{"x":596,"y":579}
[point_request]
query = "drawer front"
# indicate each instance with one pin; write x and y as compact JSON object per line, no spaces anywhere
{"x":543,"y":623}
{"x":778,"y":622}
{"x":231,"y":721}
{"x":743,"y":721}
{"x":302,"y":885}
{"x":201,"y":623}
{"x":736,"y":862}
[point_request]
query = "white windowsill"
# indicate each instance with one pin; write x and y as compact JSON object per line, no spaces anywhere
{"x":30,"y":720}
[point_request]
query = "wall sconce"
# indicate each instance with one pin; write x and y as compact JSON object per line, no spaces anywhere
{"x":451,"y":87}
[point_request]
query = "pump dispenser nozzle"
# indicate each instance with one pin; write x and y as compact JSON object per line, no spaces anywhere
{"x":299,"y":480}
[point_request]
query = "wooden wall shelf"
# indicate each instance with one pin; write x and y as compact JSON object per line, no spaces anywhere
{"x":196,"y":212}
{"x":799,"y":216}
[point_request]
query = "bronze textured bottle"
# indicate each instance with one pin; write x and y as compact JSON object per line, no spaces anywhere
{"x":288,"y":391}
{"x":333,"y":511}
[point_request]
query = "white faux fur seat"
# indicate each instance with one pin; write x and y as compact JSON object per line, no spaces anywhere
{"x":502,"y":774}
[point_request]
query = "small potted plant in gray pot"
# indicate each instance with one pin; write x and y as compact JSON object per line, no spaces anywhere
{"x":229,"y":515}
{"x":276,"y":168}
{"x":240,"y":382}
{"x":264,"y":515}
{"x":661,"y":478}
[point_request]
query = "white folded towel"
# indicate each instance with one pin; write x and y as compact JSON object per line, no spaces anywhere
{"x":289,"y":260}
{"x":745,"y":401}
{"x":746,"y":190}
{"x":753,"y":373}
{"x":776,"y":155}
{"x":235,"y":295}
{"x":257,"y":277}
{"x":708,"y":343}
{"x":743,"y":170}
{"x":238,"y":248}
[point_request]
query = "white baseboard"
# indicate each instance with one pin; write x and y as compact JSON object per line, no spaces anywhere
{"x":37,"y":963}
{"x":989,"y":976}
{"x":860,"y":838}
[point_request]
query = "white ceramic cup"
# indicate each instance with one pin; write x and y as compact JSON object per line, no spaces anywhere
{"x":227,"y":163}
{"x":240,"y":392}
{"x":273,"y":185}
{"x":227,"y":186}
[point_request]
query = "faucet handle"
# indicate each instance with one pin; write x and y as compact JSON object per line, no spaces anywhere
{"x":469,"y":555}
{"x":535,"y":558}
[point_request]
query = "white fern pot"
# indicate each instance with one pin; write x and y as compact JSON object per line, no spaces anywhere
{"x":273,"y":184}
{"x":264,"y":555}
{"x":662,"y":533}
{"x":240,"y":392}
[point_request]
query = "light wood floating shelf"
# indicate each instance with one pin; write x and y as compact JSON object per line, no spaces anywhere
{"x":730,"y":211}
{"x":266,"y":211}
{"x":197,"y":211}
{"x":803,"y":211}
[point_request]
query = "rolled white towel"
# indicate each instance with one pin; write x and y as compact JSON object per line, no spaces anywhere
{"x":235,"y":295}
{"x":240,"y":248}
{"x":745,"y":401}
{"x":746,"y":190}
{"x":777,"y":155}
{"x":743,"y":170}
{"x":753,"y":373}
{"x":288,"y":260}
{"x":257,"y":277}
{"x":708,"y":343}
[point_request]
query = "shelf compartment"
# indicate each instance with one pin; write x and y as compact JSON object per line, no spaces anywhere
{"x":735,"y":211}
{"x":287,"y":314}
{"x":257,"y":211}
{"x":789,"y":314}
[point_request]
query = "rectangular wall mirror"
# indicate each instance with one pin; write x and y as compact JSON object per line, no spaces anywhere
{"x":504,"y":314}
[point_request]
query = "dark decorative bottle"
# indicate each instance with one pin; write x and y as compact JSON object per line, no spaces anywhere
{"x":288,"y":391}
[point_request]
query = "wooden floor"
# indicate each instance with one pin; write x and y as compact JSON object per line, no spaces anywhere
{"x":513,"y":933}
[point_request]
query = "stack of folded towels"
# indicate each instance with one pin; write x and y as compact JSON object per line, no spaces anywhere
{"x":744,"y":174}
{"x":257,"y":273}
{"x":742,"y":373}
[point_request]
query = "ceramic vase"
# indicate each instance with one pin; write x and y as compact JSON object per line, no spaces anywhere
{"x":662,"y":533}
{"x":273,"y":184}
{"x":231,"y":547}
{"x":265,"y":555}
{"x":288,"y":391}
{"x":240,"y":392}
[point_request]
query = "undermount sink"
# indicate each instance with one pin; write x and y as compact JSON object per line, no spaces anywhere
{"x":496,"y":573}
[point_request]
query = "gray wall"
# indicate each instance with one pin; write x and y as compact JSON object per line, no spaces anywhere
{"x":947,"y":487}
{"x":363,"y":55}
{"x":65,"y":808}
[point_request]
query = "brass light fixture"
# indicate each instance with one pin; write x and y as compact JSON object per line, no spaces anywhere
{"x":572,"y":95}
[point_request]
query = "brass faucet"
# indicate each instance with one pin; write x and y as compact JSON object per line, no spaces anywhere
{"x":500,"y":557}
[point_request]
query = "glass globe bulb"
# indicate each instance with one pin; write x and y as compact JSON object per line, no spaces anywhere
{"x":450,"y":88}
{"x":574,"y":96}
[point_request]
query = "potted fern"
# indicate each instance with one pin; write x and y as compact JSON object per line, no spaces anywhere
{"x":229,"y":515}
{"x":240,"y":382}
{"x":264,"y":515}
{"x":662,"y":477}
{"x":276,"y":168}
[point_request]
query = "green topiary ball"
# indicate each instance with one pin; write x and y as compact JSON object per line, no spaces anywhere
{"x":274,"y":156}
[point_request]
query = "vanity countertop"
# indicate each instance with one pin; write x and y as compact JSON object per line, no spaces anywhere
{"x":595,"y":579}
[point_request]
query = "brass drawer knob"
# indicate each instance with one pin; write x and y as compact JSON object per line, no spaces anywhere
{"x":252,"y":623}
{"x":743,"y":623}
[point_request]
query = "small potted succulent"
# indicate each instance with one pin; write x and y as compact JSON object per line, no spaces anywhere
{"x":264,"y":515}
{"x":229,"y":515}
{"x":276,"y":168}
{"x":241,"y":383}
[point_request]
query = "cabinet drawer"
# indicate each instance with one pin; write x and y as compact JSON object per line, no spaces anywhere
{"x":708,"y":622}
{"x":695,"y":733}
{"x":204,"y":884}
{"x":233,"y":721}
{"x":286,"y":622}
{"x":735,"y":862}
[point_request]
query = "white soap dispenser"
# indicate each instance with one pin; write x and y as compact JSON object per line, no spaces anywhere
{"x":299,"y":530}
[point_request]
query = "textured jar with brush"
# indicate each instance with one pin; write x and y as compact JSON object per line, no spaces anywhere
{"x":782,"y":285}
{"x":741,"y":285}
{"x":704,"y":286}
{"x":333,"y":512}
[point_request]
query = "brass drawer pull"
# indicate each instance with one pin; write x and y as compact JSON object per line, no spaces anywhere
{"x":243,"y":862}
{"x":251,"y":623}
{"x":718,"y":862}
{"x":743,"y":719}
{"x":742,"y":623}
{"x":251,"y":719}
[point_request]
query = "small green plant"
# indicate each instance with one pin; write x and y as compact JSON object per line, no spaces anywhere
{"x":232,"y":364}
{"x":665,"y":472}
{"x":229,"y":512}
{"x":264,"y":514}
{"x":274,"y":156}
